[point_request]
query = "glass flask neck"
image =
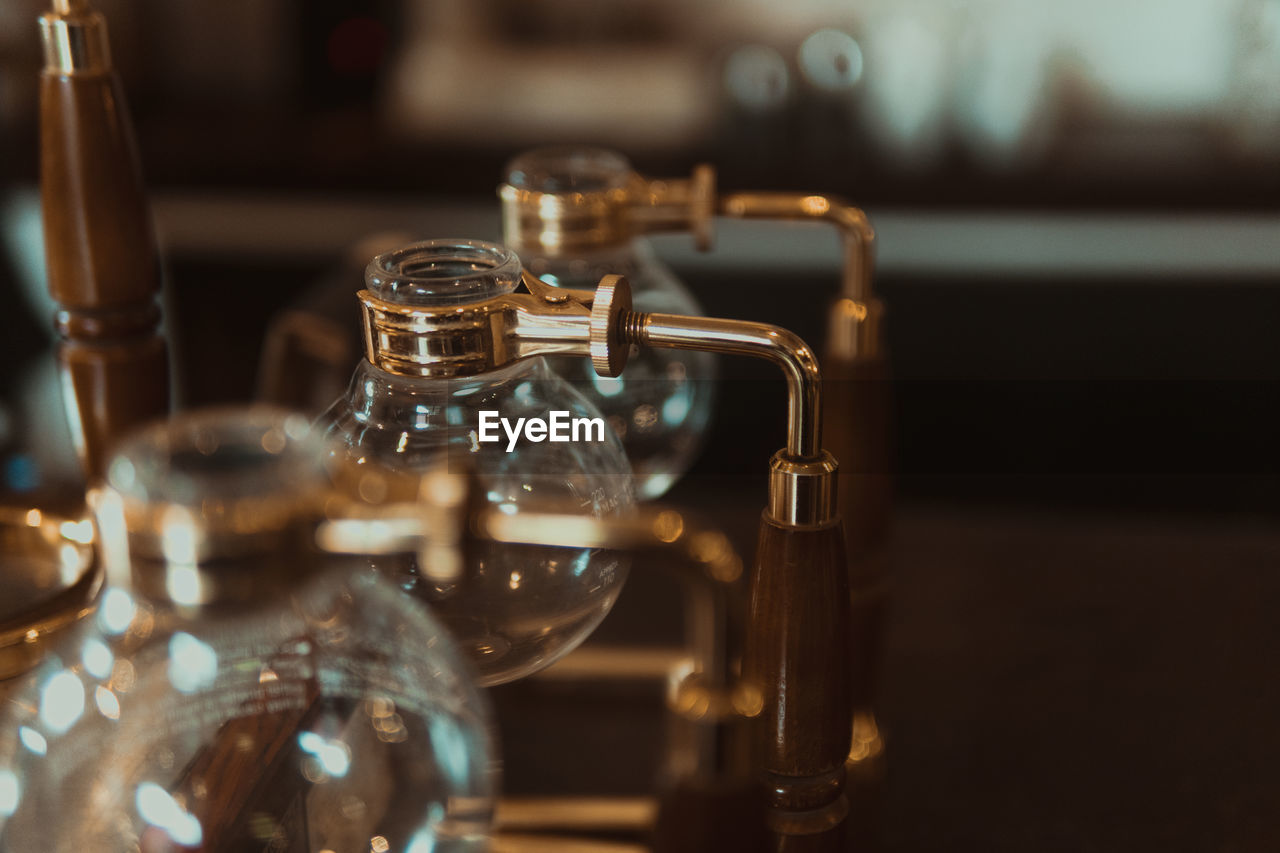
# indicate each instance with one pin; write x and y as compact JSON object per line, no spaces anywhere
{"x":216,"y":507}
{"x":449,"y":309}
{"x":377,"y":397}
{"x":563,"y":200}
{"x":442,"y":273}
{"x":146,"y":613}
{"x":578,"y":170}
{"x":567,"y":200}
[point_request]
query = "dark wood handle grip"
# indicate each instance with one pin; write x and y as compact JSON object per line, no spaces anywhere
{"x":102,"y":262}
{"x":797,"y":654}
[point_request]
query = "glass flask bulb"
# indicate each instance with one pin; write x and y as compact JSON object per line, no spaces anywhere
{"x":514,"y":609}
{"x":247,"y":692}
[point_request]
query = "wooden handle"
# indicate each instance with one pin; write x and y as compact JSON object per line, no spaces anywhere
{"x":102,"y":262}
{"x":797,"y":654}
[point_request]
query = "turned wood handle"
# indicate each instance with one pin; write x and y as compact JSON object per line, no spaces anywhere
{"x":797,"y":655}
{"x":101,"y":258}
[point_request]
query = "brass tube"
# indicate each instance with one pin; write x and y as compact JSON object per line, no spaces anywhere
{"x":858,"y":235}
{"x":759,"y":340}
{"x":575,"y":814}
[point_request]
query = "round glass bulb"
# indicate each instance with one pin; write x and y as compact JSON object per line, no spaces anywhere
{"x":248,"y":692}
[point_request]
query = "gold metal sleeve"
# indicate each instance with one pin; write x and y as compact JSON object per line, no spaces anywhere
{"x":802,"y":492}
{"x":75,"y":40}
{"x":565,"y":223}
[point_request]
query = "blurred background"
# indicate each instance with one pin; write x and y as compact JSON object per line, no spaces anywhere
{"x":986,"y":103}
{"x":1078,"y":208}
{"x":1086,"y":194}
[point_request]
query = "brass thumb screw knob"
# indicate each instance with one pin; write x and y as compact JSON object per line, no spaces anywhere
{"x":611,"y":305}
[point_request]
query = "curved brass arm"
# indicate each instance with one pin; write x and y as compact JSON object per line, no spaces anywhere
{"x":856,"y":318}
{"x":858,"y":235}
{"x":758,"y":340}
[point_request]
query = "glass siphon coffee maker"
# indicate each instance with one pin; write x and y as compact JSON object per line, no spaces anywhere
{"x":248,"y":691}
{"x":561,"y":214}
{"x":582,"y":209}
{"x":416,"y":402}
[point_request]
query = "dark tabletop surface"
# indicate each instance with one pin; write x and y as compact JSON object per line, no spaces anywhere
{"x":1052,"y":681}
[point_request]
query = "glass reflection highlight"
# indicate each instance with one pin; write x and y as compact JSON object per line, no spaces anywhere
{"x":97,"y":658}
{"x":33,"y":740}
{"x":115,"y":611}
{"x":334,"y":757}
{"x":61,"y":702}
{"x":193,"y":665}
{"x":10,"y":792}
{"x":158,"y":808}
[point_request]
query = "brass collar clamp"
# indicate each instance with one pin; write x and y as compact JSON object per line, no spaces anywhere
{"x":561,"y":201}
{"x":450,"y":309}
{"x":477,"y":337}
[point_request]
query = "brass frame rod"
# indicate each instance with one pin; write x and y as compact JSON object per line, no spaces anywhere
{"x":758,"y":340}
{"x":859,"y":236}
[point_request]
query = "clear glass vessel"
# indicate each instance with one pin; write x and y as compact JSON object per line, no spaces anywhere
{"x":661,"y":405}
{"x":515,"y":609}
{"x":247,"y":692}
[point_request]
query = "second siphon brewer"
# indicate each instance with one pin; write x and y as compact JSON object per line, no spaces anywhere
{"x":662,"y":406}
